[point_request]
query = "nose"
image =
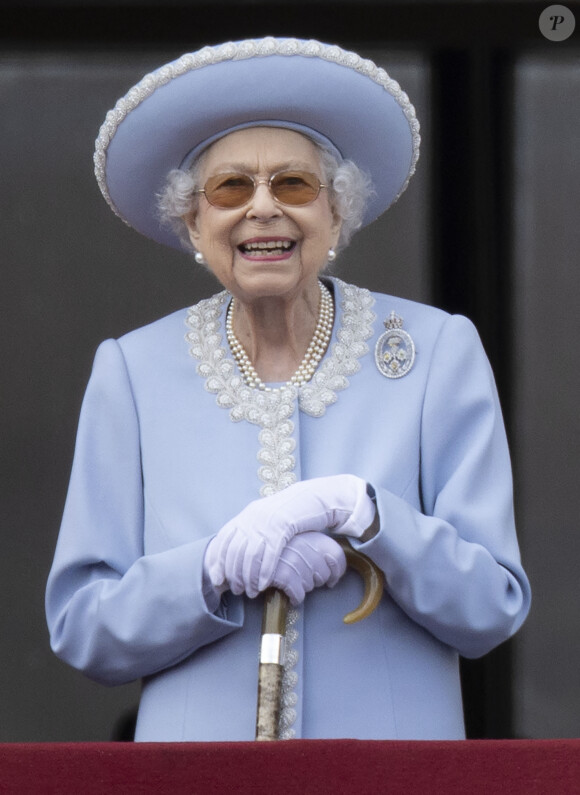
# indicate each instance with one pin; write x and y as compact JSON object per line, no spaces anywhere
{"x":262,"y":203}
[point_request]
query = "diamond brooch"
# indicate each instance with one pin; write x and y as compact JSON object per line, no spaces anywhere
{"x":395,"y":349}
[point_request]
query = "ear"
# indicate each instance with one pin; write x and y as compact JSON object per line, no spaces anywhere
{"x":190,"y":220}
{"x":336,"y":221}
{"x":335,"y":228}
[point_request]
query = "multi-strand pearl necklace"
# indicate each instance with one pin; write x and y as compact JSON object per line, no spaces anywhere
{"x":312,"y":357}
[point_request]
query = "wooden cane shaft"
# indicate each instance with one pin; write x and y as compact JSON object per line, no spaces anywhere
{"x":271,"y":668}
{"x":269,"y":701}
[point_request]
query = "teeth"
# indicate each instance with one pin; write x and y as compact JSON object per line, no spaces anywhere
{"x":270,"y":245}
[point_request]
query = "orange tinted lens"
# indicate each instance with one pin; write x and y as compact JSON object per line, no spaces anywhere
{"x":295,"y":187}
{"x":229,"y":190}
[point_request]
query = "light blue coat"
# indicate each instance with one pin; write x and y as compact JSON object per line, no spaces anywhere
{"x":171,"y":445}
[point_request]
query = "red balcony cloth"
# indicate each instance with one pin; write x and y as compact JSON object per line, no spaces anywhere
{"x":307,"y":767}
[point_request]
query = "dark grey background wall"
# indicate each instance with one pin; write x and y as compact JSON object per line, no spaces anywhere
{"x":488,"y":227}
{"x":546,"y":365}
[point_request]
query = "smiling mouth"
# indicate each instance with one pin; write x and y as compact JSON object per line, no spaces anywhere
{"x":259,"y":249}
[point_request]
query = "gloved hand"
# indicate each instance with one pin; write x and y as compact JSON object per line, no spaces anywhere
{"x":308,"y":561}
{"x":246,"y":550}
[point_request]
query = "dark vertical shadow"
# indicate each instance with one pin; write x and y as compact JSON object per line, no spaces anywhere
{"x":472,"y":273}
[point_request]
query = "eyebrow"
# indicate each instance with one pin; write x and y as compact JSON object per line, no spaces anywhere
{"x":241,"y":168}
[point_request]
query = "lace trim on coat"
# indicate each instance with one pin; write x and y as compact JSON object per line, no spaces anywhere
{"x":272,"y":412}
{"x":289,"y":679}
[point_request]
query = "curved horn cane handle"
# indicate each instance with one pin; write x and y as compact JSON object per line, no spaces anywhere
{"x":373,"y":578}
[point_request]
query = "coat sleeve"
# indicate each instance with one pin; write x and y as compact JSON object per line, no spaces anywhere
{"x":454,"y":566}
{"x":114,"y":612}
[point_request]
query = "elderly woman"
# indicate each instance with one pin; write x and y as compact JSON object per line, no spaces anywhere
{"x":297,"y":409}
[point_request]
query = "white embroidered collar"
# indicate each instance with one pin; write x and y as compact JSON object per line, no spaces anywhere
{"x":222,"y":378}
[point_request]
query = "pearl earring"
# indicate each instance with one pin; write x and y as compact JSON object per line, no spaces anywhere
{"x":199,"y":258}
{"x":331,"y":255}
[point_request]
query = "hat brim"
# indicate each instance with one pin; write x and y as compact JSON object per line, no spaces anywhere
{"x":184,"y":106}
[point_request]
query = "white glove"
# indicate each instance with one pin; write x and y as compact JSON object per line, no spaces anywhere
{"x":308,"y":561}
{"x":246,"y":550}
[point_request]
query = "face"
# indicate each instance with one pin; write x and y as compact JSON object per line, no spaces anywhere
{"x":238,"y":244}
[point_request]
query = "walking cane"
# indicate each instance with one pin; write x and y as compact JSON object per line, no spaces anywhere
{"x":272,"y":648}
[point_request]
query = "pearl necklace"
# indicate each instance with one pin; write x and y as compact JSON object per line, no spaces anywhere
{"x":312,"y":357}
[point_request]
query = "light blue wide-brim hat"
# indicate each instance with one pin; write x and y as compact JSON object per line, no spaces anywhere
{"x":338,"y":98}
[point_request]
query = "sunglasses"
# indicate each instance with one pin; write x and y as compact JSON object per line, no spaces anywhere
{"x":294,"y":188}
